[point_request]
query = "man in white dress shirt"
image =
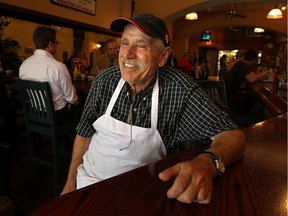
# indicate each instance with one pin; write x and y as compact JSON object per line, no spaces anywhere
{"x":43,"y":67}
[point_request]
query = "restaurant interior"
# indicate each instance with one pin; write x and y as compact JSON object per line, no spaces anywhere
{"x":230,"y":26}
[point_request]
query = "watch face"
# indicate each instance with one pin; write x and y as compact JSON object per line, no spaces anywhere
{"x":221,"y":166}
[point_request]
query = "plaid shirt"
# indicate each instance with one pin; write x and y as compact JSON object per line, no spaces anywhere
{"x":184,"y":111}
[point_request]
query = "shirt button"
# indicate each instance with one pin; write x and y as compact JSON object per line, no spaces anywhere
{"x":135,"y":109}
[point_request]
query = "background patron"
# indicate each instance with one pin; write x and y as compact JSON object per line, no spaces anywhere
{"x":43,"y":67}
{"x":108,"y":59}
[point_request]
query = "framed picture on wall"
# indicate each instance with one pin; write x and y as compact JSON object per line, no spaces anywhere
{"x":87,"y":6}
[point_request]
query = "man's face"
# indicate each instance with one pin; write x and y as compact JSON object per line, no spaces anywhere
{"x":112,"y":50}
{"x":139,"y":57}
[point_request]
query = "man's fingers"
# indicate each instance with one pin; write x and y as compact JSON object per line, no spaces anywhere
{"x":180,"y":185}
{"x":204,"y":195}
{"x":169,"y":173}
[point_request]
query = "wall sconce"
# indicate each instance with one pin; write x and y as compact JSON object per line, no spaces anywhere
{"x":275,"y":13}
{"x":96,"y":46}
{"x":191,"y":16}
{"x":259,"y":30}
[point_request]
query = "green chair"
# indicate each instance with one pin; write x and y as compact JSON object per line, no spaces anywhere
{"x":216,"y":92}
{"x":40,"y":118}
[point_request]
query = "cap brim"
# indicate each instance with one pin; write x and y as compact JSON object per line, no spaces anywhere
{"x":118,"y":25}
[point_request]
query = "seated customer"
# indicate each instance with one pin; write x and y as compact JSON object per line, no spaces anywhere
{"x":239,"y":75}
{"x":143,"y":111}
{"x":239,"y":57}
{"x":43,"y":67}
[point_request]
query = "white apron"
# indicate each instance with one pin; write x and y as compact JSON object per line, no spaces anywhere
{"x":109,"y":153}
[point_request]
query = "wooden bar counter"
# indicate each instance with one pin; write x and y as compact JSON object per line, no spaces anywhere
{"x":274,"y":103}
{"x":254,"y":185}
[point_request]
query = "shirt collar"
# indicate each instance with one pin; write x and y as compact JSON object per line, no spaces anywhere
{"x":43,"y":53}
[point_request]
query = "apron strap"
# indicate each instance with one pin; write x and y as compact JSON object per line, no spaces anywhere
{"x":115,"y":96}
{"x":154,"y":105}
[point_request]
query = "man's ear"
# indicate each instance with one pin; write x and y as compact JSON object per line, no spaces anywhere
{"x":164,"y":56}
{"x":49,"y":47}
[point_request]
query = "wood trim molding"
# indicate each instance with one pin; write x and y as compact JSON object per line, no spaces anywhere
{"x":47,"y":19}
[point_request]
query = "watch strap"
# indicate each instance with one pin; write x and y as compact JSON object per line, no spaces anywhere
{"x":216,"y":159}
{"x":211,"y":155}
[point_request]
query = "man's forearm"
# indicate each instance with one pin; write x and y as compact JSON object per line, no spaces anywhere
{"x":229,"y":145}
{"x":81,"y":145}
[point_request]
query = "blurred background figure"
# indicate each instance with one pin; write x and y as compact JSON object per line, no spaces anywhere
{"x":239,"y":57}
{"x":172,"y":60}
{"x":108,"y":59}
{"x":206,"y":67}
{"x":193,"y":59}
{"x":223,"y":66}
{"x":185,"y":64}
{"x":198,"y":69}
{"x":78,"y":61}
{"x":202,"y":69}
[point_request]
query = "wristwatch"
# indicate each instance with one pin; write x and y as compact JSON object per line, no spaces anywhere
{"x":220,"y":167}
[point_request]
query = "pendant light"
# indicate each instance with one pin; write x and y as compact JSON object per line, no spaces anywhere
{"x":191,"y":16}
{"x":275,"y":13}
{"x":259,"y":30}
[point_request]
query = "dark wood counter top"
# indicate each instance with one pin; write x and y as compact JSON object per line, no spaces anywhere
{"x":254,"y":185}
{"x":275,"y":104}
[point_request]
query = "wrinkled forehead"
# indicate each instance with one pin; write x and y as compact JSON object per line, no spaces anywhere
{"x":131,"y":31}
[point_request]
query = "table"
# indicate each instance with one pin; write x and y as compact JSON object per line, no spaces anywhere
{"x":254,"y":185}
{"x":82,"y":88}
{"x":275,"y":104}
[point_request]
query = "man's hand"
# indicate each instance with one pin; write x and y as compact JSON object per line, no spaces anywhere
{"x":193,"y":180}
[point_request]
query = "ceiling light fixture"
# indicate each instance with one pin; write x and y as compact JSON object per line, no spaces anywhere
{"x":191,"y":16}
{"x":259,"y":30}
{"x":275,"y":13}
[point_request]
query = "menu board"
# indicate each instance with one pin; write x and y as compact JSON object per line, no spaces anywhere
{"x":88,"y":6}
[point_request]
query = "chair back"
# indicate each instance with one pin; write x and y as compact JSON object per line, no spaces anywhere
{"x":214,"y":89}
{"x":41,"y":119}
{"x":37,"y":102}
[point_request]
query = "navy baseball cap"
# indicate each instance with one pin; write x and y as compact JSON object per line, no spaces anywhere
{"x":147,"y":23}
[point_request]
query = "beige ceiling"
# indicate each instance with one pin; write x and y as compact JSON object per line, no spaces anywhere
{"x":171,"y":10}
{"x":243,"y":7}
{"x":213,"y":14}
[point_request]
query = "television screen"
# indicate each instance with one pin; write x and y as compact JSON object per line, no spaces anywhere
{"x":205,"y":36}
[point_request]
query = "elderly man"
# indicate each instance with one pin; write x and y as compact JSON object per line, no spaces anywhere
{"x":142,"y":111}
